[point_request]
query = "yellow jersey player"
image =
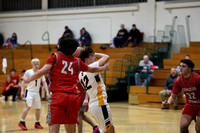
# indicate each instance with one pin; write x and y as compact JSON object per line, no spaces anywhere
{"x":96,"y":90}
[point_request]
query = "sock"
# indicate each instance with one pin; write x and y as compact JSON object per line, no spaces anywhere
{"x":22,"y":120}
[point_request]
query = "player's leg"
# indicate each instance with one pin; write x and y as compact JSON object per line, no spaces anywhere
{"x":37,"y":105}
{"x":22,"y":124}
{"x":102,"y":115}
{"x":111,"y":130}
{"x":70,"y":128}
{"x":80,"y":120}
{"x":90,"y":121}
{"x":185,"y":122}
{"x":54,"y":128}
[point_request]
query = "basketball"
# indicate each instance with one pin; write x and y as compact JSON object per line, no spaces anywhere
{"x":76,"y":53}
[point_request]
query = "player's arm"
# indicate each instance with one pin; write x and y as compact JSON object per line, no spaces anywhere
{"x":98,"y":69}
{"x":23,"y":89}
{"x":39,"y":73}
{"x":86,"y":100}
{"x":175,"y":91}
{"x":103,"y":58}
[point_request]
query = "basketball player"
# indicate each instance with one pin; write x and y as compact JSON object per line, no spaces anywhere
{"x":84,"y":108}
{"x":96,"y":90}
{"x":64,"y":69}
{"x":33,"y":97}
{"x":190,"y":83}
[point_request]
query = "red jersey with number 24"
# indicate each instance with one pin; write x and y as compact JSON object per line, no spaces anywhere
{"x":64,"y":72}
{"x":190,"y":87}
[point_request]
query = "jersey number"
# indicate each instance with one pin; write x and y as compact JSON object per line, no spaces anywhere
{"x":70,"y":69}
{"x":191,"y":95}
{"x":85,"y":82}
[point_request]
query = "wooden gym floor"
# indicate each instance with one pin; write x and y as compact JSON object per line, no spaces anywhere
{"x":127,"y":119}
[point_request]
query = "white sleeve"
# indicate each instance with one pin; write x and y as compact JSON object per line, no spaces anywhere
{"x":94,"y":64}
{"x":27,"y":75}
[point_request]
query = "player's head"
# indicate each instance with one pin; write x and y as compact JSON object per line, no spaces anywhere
{"x":186,"y":66}
{"x":35,"y":63}
{"x":23,"y":72}
{"x":173,"y":72}
{"x":68,"y":45}
{"x":8,"y":79}
{"x":12,"y":72}
{"x":87,"y":55}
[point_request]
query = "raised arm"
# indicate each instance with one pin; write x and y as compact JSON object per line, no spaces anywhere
{"x":39,"y":73}
{"x":98,"y":69}
{"x":103,"y":58}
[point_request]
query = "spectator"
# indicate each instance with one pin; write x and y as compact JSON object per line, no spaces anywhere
{"x":146,"y":64}
{"x":15,"y":78}
{"x":134,"y":36}
{"x":121,"y":37}
{"x":13,"y":40}
{"x":10,"y":88}
{"x":169,"y":83}
{"x":85,"y":38}
{"x":68,"y":32}
{"x":7,"y":43}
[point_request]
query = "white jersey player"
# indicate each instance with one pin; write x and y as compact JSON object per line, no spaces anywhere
{"x":96,"y":90}
{"x":33,"y":97}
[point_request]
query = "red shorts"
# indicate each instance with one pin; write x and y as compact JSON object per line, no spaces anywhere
{"x":191,"y":110}
{"x":63,"y":108}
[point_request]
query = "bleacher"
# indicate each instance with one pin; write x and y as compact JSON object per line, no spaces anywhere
{"x":137,"y":94}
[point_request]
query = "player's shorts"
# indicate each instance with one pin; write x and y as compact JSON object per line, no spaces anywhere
{"x":102,"y":115}
{"x":62,"y":108}
{"x":33,"y":100}
{"x":192,"y":110}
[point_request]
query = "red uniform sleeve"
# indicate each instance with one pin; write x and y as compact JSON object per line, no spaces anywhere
{"x":197,"y":80}
{"x":176,"y":87}
{"x":17,"y":78}
{"x":83,"y":66}
{"x":51,"y":60}
{"x":4,"y":86}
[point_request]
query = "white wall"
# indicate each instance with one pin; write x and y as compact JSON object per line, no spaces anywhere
{"x":102,"y":22}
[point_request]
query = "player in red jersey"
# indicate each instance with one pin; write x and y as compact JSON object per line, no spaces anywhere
{"x":189,"y":82}
{"x":64,"y":67}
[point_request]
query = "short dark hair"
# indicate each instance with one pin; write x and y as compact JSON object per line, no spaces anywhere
{"x":12,"y":70}
{"x":85,"y":53}
{"x":66,"y":27}
{"x":188,"y":62}
{"x":68,"y":45}
{"x":23,"y":71}
{"x":134,"y":25}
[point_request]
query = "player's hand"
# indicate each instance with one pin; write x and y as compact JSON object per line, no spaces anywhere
{"x":22,"y":94}
{"x":85,"y":102}
{"x":106,"y":66}
{"x":165,"y":104}
{"x":25,"y":79}
{"x":47,"y":96}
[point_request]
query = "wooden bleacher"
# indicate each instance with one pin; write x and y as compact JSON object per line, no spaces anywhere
{"x":137,"y":95}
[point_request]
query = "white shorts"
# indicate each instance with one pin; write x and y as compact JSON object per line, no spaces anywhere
{"x":102,"y":115}
{"x":33,"y":100}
